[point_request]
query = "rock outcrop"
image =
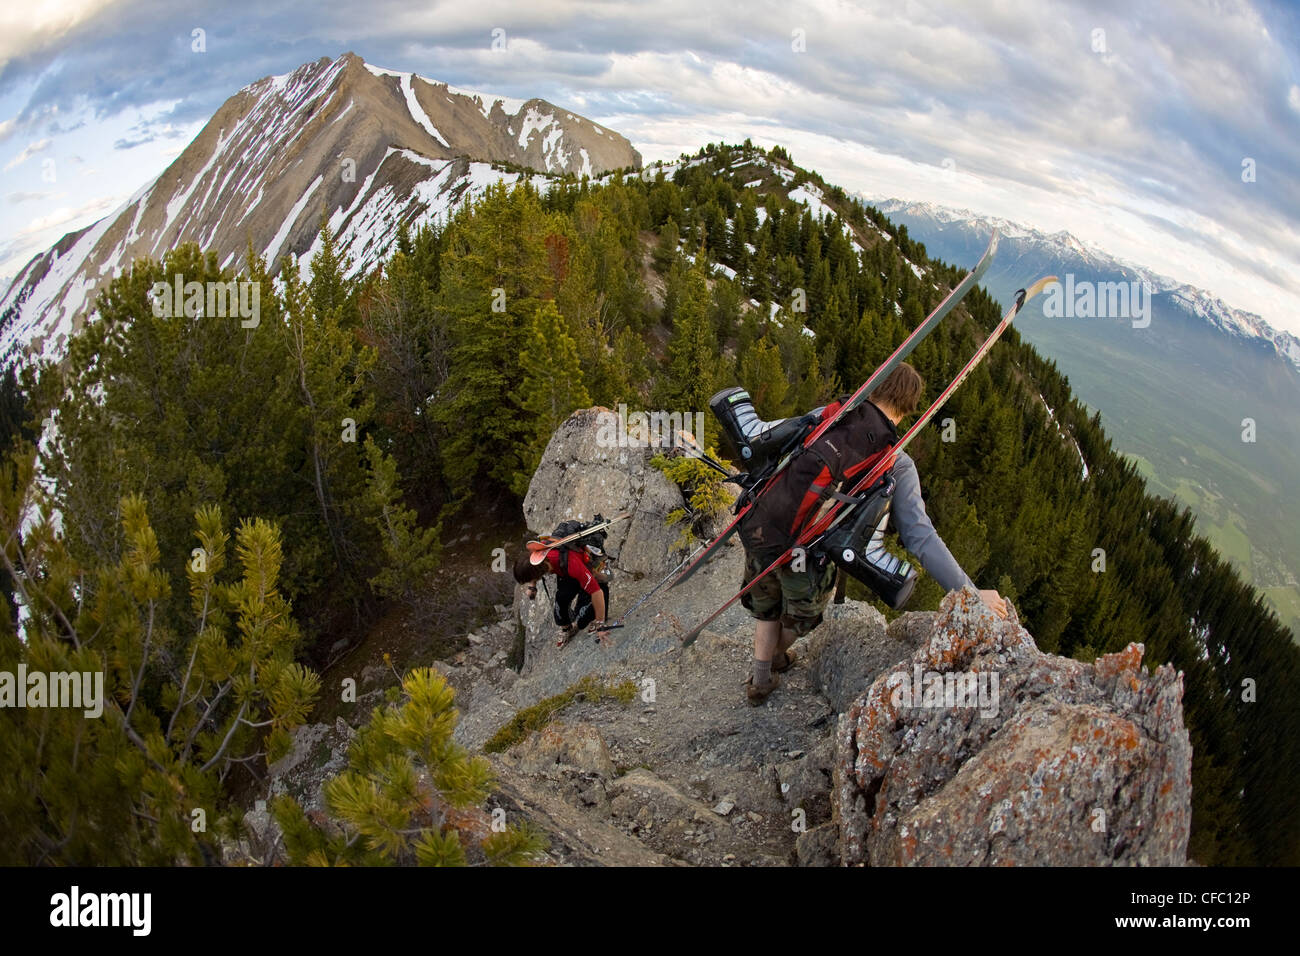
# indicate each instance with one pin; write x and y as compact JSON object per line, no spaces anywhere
{"x":981,"y":750}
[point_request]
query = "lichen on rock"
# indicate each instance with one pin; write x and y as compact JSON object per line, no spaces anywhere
{"x":1076,"y":764}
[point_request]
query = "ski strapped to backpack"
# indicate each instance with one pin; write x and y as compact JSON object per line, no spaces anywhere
{"x":839,"y":506}
{"x":765,"y":480}
{"x":546,"y":543}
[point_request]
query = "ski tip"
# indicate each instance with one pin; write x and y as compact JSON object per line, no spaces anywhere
{"x":986,"y":260}
{"x":1039,"y":286}
{"x":537,"y":557}
{"x":1024,"y":295}
{"x":690,"y":638}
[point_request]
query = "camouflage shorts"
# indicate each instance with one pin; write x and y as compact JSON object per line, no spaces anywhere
{"x":795,"y":598}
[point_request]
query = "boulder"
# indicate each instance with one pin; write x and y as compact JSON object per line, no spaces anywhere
{"x":848,"y":650}
{"x":575,"y":838}
{"x":558,"y":745}
{"x":319,"y":752}
{"x":981,"y":750}
{"x":582,"y":472}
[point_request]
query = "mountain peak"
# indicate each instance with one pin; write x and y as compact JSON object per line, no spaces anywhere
{"x":368,"y":147}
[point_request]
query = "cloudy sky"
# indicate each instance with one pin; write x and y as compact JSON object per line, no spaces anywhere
{"x":1165,"y":133}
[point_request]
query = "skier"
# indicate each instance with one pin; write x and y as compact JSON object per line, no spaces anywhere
{"x":789,"y":603}
{"x":582,"y":588}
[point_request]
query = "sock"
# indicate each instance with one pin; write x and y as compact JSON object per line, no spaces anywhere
{"x":762,"y":672}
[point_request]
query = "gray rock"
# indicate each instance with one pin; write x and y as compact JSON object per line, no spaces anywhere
{"x":576,"y":746}
{"x":817,"y":847}
{"x":912,"y":629}
{"x":847,"y":651}
{"x":319,"y":752}
{"x":1070,"y":763}
{"x":805,"y":782}
{"x":575,"y":837}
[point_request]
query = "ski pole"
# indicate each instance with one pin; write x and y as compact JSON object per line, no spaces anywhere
{"x":645,"y":597}
{"x":691,"y":442}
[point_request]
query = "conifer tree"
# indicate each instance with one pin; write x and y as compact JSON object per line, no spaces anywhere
{"x":401,"y":320}
{"x":666,"y":249}
{"x":764,"y":376}
{"x":410,"y":553}
{"x":494,"y":274}
{"x":187,"y":410}
{"x":552,"y":385}
{"x":629,"y":369}
{"x":331,"y":291}
{"x":139,"y":782}
{"x":688,"y":381}
{"x":410,"y":795}
{"x":329,"y":368}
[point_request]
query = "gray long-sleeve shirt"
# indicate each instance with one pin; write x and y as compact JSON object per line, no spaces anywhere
{"x":917,"y":532}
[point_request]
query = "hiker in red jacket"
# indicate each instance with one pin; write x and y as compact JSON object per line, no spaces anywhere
{"x":578,"y":578}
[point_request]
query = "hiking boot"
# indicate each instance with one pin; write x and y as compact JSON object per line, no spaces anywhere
{"x":782,"y":661}
{"x":756,"y":694}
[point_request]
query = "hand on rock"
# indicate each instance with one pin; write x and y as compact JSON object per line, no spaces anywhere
{"x":996,"y":603}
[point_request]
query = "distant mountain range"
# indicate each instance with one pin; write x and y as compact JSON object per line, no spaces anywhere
{"x":371,"y":147}
{"x":959,"y":235}
{"x":1174,"y":396}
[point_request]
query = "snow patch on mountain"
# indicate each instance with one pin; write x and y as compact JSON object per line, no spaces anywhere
{"x":273,"y":250}
{"x":417,"y":111}
{"x":486,"y":101}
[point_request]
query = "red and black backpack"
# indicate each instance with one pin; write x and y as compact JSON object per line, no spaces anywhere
{"x":844,"y":451}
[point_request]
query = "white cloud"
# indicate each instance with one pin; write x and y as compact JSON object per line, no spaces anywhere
{"x":64,"y":215}
{"x":1293,"y":98}
{"x":25,"y":27}
{"x":17,"y":197}
{"x":28,"y":152}
{"x":43,"y":231}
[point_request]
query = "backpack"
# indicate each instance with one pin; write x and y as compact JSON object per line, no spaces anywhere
{"x":847,"y":449}
{"x":594,"y":540}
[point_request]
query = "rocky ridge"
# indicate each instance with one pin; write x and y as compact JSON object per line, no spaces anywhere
{"x":1067,"y":763}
